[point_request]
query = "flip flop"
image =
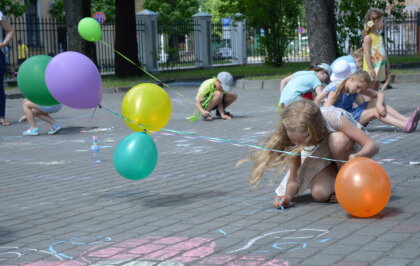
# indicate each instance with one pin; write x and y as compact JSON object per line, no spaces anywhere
{"x":4,"y":123}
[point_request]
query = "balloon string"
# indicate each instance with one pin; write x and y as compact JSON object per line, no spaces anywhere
{"x":143,"y":69}
{"x":223,"y":140}
{"x":133,"y":63}
{"x":93,"y":113}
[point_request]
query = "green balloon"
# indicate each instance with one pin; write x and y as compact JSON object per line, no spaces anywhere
{"x":135,"y":156}
{"x":89,"y":29}
{"x":31,"y":80}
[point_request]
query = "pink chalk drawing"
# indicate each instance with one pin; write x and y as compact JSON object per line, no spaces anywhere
{"x":174,"y":251}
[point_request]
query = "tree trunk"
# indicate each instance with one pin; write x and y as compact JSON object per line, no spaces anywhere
{"x":75,"y":11}
{"x":322,"y":36}
{"x":126,"y":39}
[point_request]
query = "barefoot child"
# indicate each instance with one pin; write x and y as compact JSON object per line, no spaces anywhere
{"x":33,"y":110}
{"x":214,"y":93}
{"x":344,"y":95}
{"x":375,"y":60}
{"x":306,"y":129}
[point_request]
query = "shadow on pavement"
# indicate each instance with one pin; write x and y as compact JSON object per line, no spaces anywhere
{"x":149,"y":200}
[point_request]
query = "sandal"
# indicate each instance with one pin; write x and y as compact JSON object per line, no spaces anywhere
{"x":226,"y":113}
{"x":3,"y":122}
{"x":412,"y":122}
{"x":333,"y":199}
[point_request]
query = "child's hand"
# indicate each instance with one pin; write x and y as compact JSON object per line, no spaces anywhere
{"x":352,"y":156}
{"x":372,"y":73}
{"x":205,"y":113}
{"x":280,"y":201}
{"x":381,"y":110}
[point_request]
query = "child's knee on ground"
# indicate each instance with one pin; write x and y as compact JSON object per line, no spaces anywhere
{"x":323,"y":184}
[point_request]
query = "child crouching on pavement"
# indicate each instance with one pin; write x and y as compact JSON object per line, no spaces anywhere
{"x":214,"y":94}
{"x":305,"y":129}
{"x":32,"y":110}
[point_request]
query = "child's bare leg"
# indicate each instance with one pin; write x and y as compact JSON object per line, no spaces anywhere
{"x":323,"y":184}
{"x":46,"y":117}
{"x":371,"y":113}
{"x":215,"y":100}
{"x":229,"y":98}
{"x":28,"y":110}
{"x":340,"y":146}
{"x":389,"y":110}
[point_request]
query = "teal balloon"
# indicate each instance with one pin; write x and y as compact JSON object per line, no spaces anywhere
{"x":135,"y":156}
{"x":31,"y":80}
{"x":89,"y":29}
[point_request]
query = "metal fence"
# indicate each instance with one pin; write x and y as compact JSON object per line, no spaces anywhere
{"x":402,"y":38}
{"x":176,"y":47}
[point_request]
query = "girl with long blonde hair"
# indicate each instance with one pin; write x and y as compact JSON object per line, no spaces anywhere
{"x":305,"y":129}
{"x":375,"y":60}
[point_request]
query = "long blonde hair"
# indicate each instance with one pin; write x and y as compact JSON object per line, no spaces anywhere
{"x":373,"y":15}
{"x":302,"y":116}
{"x":359,"y":75}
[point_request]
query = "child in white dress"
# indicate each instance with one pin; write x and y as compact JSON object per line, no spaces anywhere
{"x":305,"y":129}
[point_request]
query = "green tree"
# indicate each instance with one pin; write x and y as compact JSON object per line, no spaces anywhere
{"x":105,"y":6}
{"x":350,"y":18}
{"x":278,"y":19}
{"x":214,"y":8}
{"x":11,"y":7}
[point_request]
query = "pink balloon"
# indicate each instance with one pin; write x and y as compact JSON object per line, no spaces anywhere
{"x":74,"y":80}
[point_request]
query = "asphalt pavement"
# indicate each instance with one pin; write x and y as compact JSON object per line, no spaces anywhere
{"x":59,"y":208}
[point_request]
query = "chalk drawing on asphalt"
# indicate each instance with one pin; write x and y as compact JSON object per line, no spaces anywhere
{"x":299,"y":234}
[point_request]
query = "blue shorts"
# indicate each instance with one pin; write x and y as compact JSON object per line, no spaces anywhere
{"x":50,"y":109}
{"x":357,"y":112}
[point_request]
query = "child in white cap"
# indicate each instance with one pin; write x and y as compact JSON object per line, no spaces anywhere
{"x":214,"y":94}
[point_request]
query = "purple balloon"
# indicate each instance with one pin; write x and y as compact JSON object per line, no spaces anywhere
{"x":74,"y":80}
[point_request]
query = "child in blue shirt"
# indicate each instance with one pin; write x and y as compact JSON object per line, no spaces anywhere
{"x":294,"y":86}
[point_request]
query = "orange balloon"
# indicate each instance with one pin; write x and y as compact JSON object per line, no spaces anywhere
{"x":362,"y":187}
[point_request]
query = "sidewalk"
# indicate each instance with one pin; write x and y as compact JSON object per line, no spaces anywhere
{"x":59,"y":208}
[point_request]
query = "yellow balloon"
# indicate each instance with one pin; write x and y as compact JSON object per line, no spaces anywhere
{"x":148,"y":106}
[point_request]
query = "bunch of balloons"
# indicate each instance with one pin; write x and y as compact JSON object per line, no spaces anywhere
{"x":73,"y":79}
{"x":70,"y":78}
{"x":362,"y":187}
{"x":146,"y":107}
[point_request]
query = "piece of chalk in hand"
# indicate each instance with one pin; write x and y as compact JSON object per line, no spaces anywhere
{"x":281,"y":206}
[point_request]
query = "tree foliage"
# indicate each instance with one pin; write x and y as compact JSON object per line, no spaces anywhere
{"x":13,"y":7}
{"x":105,"y":6}
{"x":214,"y":8}
{"x":171,"y":11}
{"x":350,"y":18}
{"x":278,"y":19}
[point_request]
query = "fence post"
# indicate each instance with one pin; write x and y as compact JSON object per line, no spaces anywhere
{"x":418,"y":32}
{"x":202,"y":38}
{"x":148,"y":39}
{"x":239,"y":41}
